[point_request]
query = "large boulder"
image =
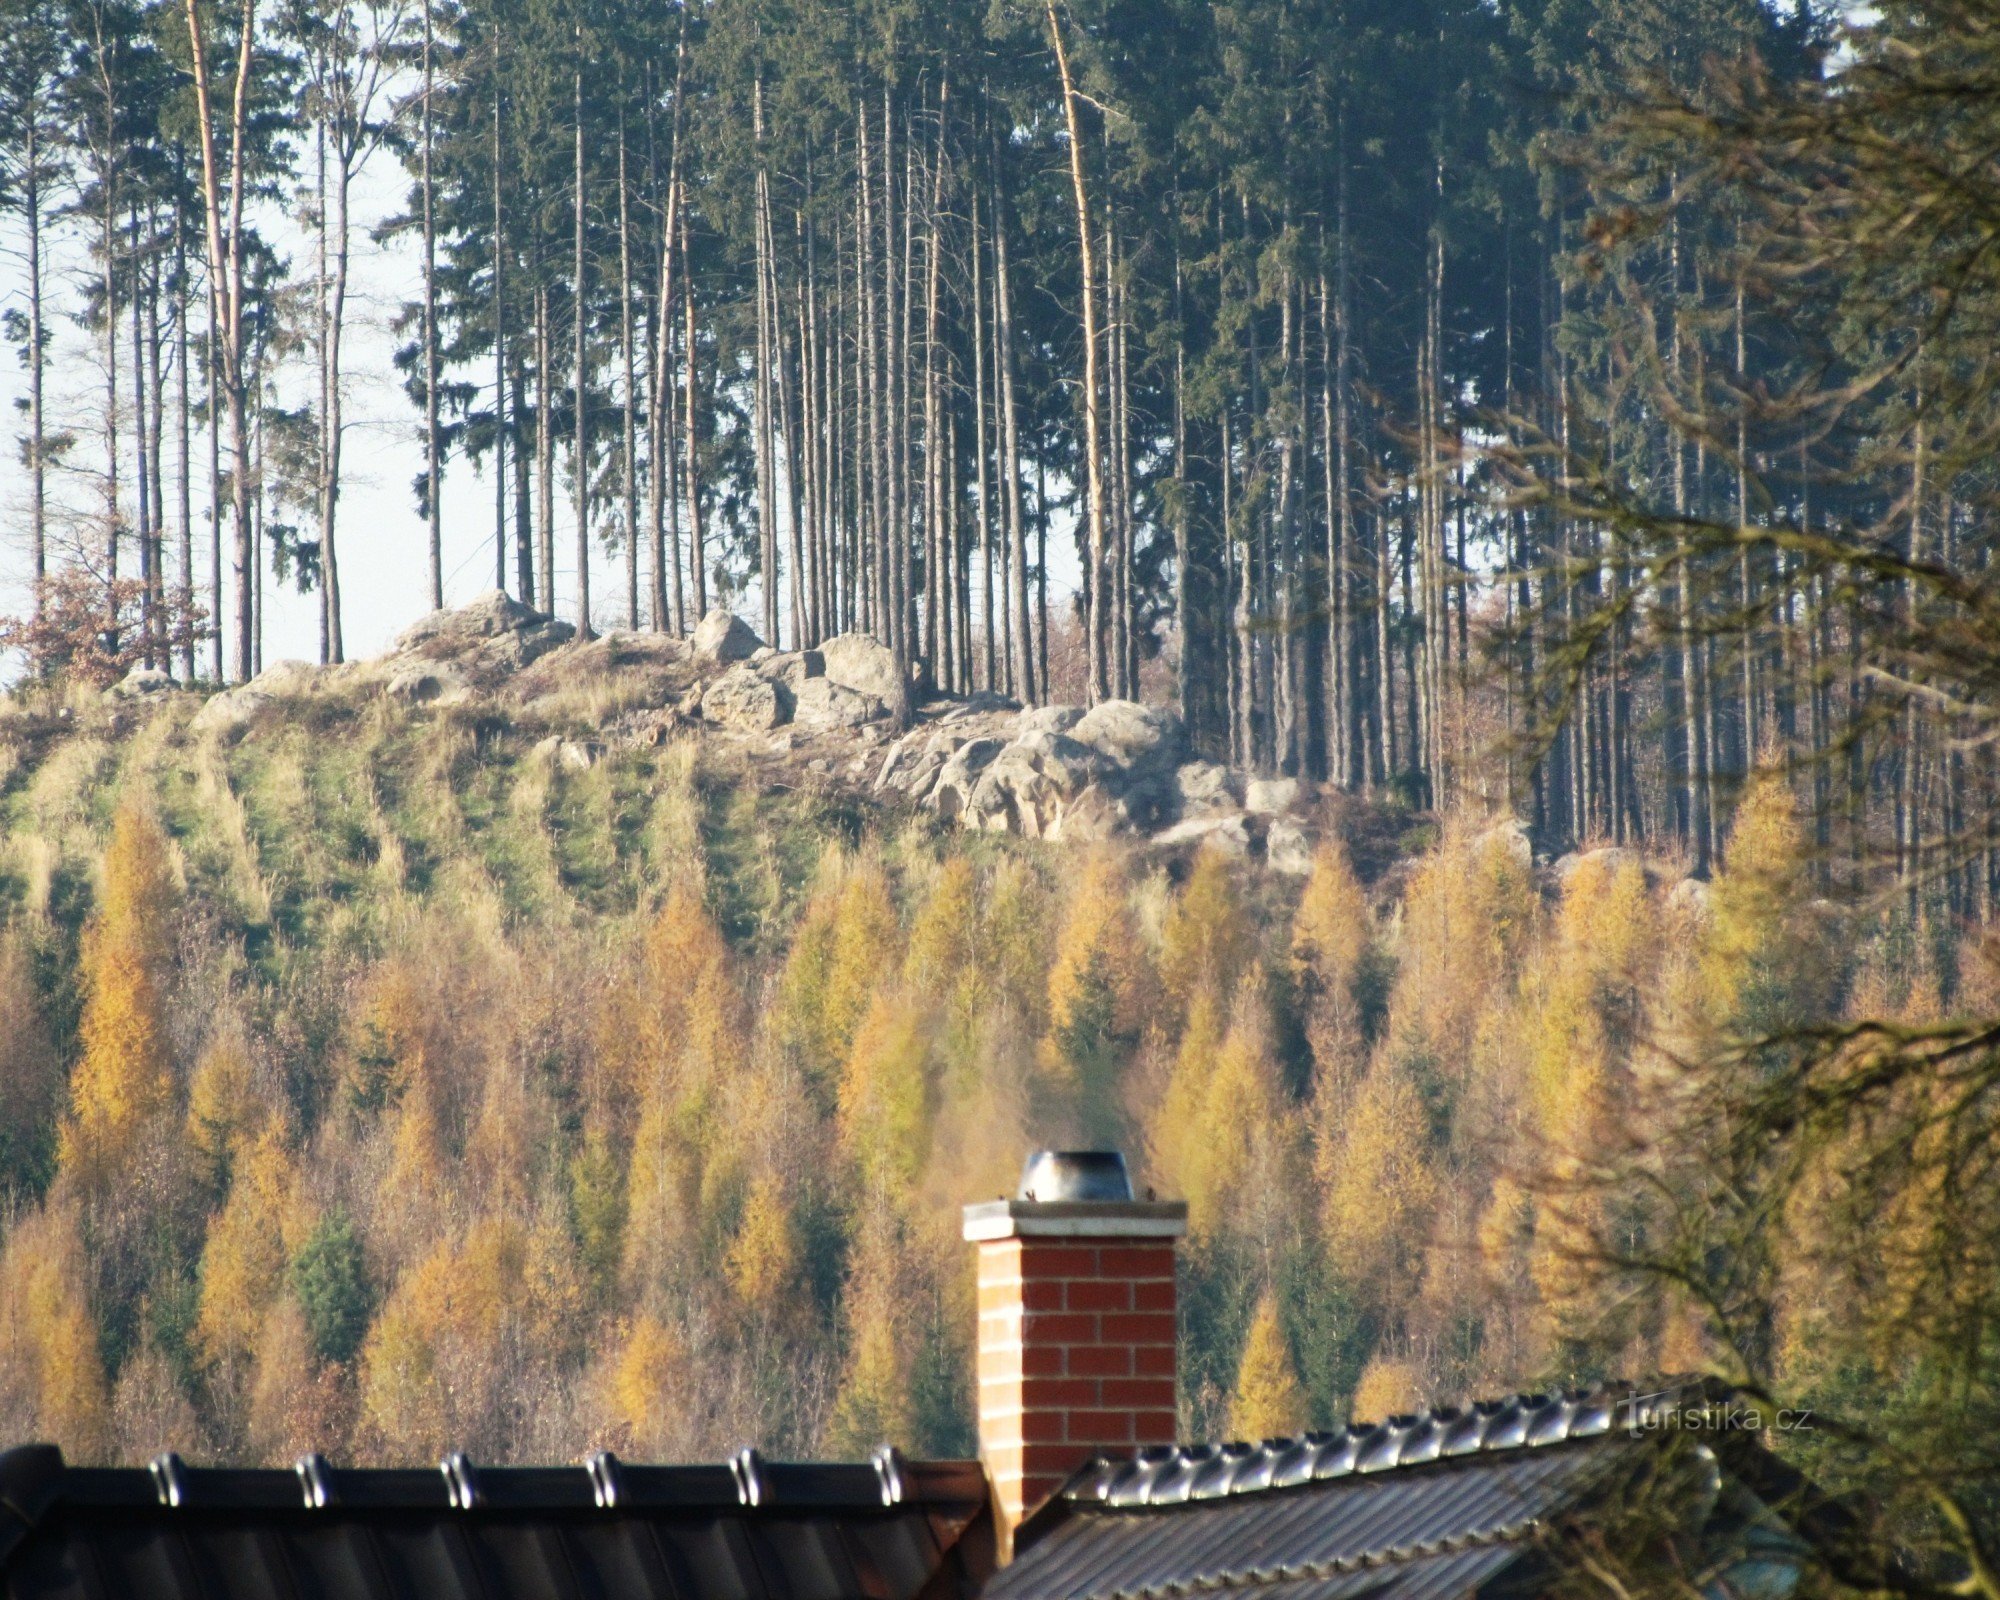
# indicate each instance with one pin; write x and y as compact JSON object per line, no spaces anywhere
{"x":1131,"y":734}
{"x":742,"y":701}
{"x":793,"y":667}
{"x":1031,"y":782}
{"x":1204,"y":786}
{"x":139,"y":682}
{"x":1272,"y":797}
{"x":233,"y":708}
{"x":1609,"y":859}
{"x":1047,"y":719}
{"x":491,"y":615}
{"x":1227,"y":831}
{"x":857,"y":661}
{"x":1508,"y":837}
{"x":723,"y":637}
{"x":1288,"y":848}
{"x":423,"y":682}
{"x":820,"y":703}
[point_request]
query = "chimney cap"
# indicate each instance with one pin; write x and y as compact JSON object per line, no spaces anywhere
{"x":1076,"y":1194}
{"x":1075,"y":1175}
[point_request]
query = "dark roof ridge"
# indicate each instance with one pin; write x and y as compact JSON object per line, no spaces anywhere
{"x":34,"y":1479}
{"x":1181,"y":1474}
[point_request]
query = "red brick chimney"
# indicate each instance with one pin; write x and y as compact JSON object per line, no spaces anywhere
{"x":1076,"y":1325}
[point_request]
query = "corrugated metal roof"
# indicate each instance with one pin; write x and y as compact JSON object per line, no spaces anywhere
{"x":1421,"y":1507}
{"x":751,"y":1530}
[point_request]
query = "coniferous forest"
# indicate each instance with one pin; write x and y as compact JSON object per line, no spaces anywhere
{"x":1558,"y":433}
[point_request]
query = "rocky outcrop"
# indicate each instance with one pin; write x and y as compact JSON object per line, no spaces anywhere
{"x":1120,"y":770}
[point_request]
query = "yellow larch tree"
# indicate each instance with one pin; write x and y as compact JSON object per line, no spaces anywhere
{"x":1269,"y":1401}
{"x":764,"y":1261}
{"x":1179,"y":1128}
{"x":1378,"y":1184}
{"x":1240,"y":1155}
{"x":52,"y":1380}
{"x":873,"y":1404}
{"x":887,"y":1095}
{"x":227,"y":1109}
{"x":1466,"y":918}
{"x":848,"y":939}
{"x":1098,"y":987}
{"x":944,"y":937}
{"x":1761,"y":964}
{"x":250,"y":1245}
{"x":1332,"y":942}
{"x":296,"y":1401}
{"x":124,"y":1078}
{"x":646,"y":1384}
{"x":1017,"y":927}
{"x":1331,"y":928}
{"x":445,"y":1354}
{"x":1389,"y":1386}
{"x":1205,"y":937}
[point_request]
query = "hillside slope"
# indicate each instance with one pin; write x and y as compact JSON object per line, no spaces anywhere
{"x":516,"y":1045}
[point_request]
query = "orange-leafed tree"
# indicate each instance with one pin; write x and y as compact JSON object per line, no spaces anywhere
{"x":124,"y":1079}
{"x":251,"y":1242}
{"x":52,"y":1380}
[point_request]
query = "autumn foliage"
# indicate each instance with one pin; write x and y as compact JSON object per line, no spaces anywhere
{"x":307,"y":1151}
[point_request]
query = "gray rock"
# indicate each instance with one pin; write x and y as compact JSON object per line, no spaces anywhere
{"x":1271,"y":797}
{"x":1030,"y":782}
{"x":1688,"y":900}
{"x":959,"y":776}
{"x":725,"y":637}
{"x":1229,"y":833}
{"x":909,"y":754}
{"x":568,"y":755}
{"x":1511,"y":835}
{"x":140,"y":681}
{"x":859,"y":662}
{"x":510,"y":652}
{"x":424,"y":683}
{"x":1288,"y":848}
{"x":1096,"y":813}
{"x":1204,"y":786}
{"x":1048,"y":719}
{"x":1130,"y":733}
{"x":793,"y":666}
{"x":492,"y":614}
{"x":1612,"y":858}
{"x":742,"y":701}
{"x":233,"y":708}
{"x":1065,"y":762}
{"x":820,"y":703}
